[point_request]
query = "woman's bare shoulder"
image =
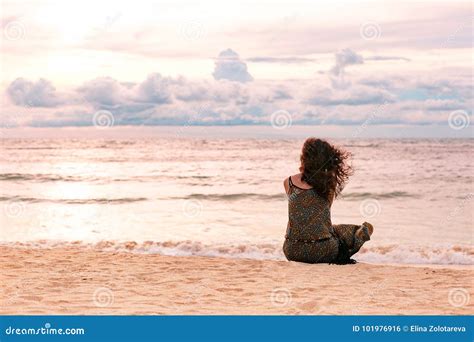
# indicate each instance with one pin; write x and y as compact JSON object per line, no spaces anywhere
{"x":296,"y":180}
{"x":296,"y":177}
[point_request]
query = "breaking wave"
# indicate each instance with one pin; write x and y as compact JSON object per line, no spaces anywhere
{"x":104,"y":201}
{"x":386,"y":254}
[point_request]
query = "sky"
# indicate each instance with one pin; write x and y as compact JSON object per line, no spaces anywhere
{"x":276,"y":63}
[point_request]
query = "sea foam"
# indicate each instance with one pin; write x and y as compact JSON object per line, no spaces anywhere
{"x":384,"y":254}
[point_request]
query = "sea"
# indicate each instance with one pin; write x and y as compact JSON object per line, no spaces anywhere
{"x":224,"y":197}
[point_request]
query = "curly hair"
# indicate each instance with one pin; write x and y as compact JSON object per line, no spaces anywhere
{"x":324,"y":167}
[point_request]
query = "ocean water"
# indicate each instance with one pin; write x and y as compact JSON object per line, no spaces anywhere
{"x":225,"y":197}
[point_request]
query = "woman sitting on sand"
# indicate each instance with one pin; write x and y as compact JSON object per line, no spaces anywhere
{"x":310,"y":235}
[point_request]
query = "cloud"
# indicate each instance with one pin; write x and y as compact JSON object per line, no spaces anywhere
{"x":156,"y":89}
{"x":282,"y":60}
{"x":162,"y":100}
{"x":193,"y":91}
{"x":387,"y":58}
{"x":434,"y":105}
{"x":103,"y":91}
{"x":354,"y":96}
{"x":345,"y":58}
{"x":229,"y":66}
{"x":378,"y":82}
{"x":33,"y":94}
{"x":106,"y":91}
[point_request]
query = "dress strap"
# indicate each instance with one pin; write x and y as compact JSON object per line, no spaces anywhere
{"x":290,"y":182}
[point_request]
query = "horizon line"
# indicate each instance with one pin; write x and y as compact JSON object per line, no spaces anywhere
{"x":242,"y":131}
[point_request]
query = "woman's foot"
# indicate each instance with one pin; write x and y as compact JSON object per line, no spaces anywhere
{"x":370,"y":228}
{"x":365,"y":231}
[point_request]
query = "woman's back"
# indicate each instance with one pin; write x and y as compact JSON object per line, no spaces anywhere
{"x":309,"y":216}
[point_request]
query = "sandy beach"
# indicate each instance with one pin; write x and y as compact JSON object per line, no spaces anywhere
{"x":74,"y":280}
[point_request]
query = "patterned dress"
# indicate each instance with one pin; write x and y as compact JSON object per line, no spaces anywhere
{"x":310,"y":235}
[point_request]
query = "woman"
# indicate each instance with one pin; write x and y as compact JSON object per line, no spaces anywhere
{"x":310,"y":235}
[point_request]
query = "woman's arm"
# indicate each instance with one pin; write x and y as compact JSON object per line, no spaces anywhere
{"x":331,"y":198}
{"x":286,"y":185}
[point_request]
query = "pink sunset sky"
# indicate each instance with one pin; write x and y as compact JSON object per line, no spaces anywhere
{"x":236,"y":62}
